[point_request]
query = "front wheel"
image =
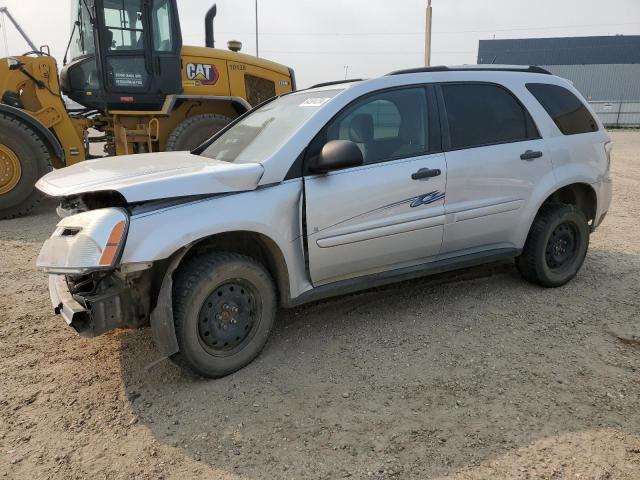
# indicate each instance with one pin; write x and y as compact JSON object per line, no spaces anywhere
{"x":556,"y":246}
{"x":224,"y":307}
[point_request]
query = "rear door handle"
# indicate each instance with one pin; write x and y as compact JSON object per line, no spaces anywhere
{"x":530,"y":155}
{"x":425,"y":173}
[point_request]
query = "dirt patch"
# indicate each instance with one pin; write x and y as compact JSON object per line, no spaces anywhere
{"x":471,"y":375}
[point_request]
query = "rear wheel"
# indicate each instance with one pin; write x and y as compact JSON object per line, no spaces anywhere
{"x":224,"y":306}
{"x":556,"y":246}
{"x":193,"y":131}
{"x":23,"y":160}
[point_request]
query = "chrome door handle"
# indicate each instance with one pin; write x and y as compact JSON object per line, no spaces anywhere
{"x":530,"y":155}
{"x":425,"y":173}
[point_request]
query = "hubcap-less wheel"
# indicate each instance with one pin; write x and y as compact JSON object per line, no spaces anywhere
{"x":10,"y":170}
{"x":562,"y":246}
{"x":228,"y":318}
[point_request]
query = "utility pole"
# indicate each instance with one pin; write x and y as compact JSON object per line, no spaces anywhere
{"x":257,"y":51}
{"x":427,"y":37}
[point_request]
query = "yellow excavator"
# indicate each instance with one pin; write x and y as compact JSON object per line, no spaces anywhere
{"x":136,"y":88}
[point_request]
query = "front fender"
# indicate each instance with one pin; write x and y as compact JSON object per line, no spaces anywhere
{"x":274,"y":212}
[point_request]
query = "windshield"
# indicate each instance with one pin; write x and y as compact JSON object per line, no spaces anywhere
{"x":261,"y":133}
{"x":82,"y":30}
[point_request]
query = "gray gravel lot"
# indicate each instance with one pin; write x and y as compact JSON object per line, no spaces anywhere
{"x":469,"y":375}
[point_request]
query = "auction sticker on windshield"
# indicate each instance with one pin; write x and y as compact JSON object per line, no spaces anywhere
{"x":315,"y":102}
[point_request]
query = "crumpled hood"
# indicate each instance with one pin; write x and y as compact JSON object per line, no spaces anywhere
{"x":152,"y":176}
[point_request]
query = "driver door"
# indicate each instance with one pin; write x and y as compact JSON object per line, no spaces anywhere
{"x":389,"y":212}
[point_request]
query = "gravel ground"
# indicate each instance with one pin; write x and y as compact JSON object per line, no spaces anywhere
{"x":469,"y":375}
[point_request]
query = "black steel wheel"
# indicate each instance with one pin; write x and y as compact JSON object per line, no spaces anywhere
{"x":224,"y":307}
{"x":229,"y":317}
{"x":556,"y":246}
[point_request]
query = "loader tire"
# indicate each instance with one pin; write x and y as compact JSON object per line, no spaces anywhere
{"x":24,"y":158}
{"x":193,"y":131}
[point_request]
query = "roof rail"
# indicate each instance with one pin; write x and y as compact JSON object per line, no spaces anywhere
{"x":473,"y":68}
{"x":335,"y":82}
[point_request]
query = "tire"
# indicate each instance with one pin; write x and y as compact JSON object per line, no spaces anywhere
{"x":193,"y":131}
{"x":24,"y":158}
{"x":214,"y":339}
{"x":556,"y":246}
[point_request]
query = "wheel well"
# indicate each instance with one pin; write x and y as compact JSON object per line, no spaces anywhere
{"x":254,"y":245}
{"x":581,"y":195}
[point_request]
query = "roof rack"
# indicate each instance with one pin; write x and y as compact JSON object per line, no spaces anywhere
{"x":474,"y":68}
{"x":335,"y":82}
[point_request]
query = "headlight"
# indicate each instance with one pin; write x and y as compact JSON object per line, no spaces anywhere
{"x":85,"y":242}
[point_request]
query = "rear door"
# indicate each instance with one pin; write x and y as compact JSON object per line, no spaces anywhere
{"x":495,"y":158}
{"x":376,"y":217}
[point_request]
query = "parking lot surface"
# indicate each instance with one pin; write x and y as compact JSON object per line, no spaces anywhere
{"x":470,"y":375}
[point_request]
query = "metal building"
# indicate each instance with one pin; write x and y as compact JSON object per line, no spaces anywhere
{"x":606,"y":70}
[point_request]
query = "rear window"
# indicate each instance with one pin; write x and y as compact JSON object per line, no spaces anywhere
{"x":485,"y":114}
{"x":567,"y":111}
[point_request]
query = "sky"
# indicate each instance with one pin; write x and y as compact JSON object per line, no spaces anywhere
{"x":319,"y":39}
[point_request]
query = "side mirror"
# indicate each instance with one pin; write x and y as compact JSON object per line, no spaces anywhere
{"x":335,"y":155}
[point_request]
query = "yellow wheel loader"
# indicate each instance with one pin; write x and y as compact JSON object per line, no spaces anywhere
{"x":136,"y":87}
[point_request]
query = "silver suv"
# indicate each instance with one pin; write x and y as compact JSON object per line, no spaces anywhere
{"x":326,"y":191}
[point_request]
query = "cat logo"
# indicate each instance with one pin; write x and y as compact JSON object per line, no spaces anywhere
{"x":201,"y":74}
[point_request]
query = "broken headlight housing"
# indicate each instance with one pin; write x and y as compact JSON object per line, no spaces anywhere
{"x":86,"y":242}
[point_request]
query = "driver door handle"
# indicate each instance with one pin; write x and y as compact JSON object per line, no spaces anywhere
{"x":530,"y":155}
{"x":425,"y":173}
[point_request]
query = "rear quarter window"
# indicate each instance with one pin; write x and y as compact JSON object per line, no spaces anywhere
{"x":566,"y":110}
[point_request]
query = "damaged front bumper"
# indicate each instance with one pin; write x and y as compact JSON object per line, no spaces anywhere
{"x":118,"y":300}
{"x":110,"y":306}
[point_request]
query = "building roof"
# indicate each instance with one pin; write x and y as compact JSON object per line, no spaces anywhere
{"x":619,"y":49}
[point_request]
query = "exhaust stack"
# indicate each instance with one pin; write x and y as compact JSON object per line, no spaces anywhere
{"x":209,"y":40}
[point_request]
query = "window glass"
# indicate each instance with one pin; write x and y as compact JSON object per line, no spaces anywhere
{"x":124,"y":24}
{"x":259,"y":135}
{"x":82,"y":37}
{"x":566,"y":110}
{"x":385,"y":126}
{"x":258,"y":89}
{"x":483,"y":114}
{"x":162,"y":35}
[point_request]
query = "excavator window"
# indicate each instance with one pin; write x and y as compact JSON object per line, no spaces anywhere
{"x":161,"y":18}
{"x":124,"y":24}
{"x":82,"y":41}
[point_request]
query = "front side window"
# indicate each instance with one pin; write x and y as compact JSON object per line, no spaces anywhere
{"x":385,"y":126}
{"x":485,"y":114}
{"x":162,"y":34}
{"x":124,"y":25}
{"x":261,"y":133}
{"x":566,"y":110}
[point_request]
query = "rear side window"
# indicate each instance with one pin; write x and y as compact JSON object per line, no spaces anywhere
{"x":566,"y":110}
{"x":485,"y":114}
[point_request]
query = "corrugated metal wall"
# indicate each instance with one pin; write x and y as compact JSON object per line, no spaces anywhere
{"x":613,"y":90}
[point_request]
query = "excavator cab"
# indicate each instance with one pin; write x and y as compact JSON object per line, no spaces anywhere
{"x":125,"y":54}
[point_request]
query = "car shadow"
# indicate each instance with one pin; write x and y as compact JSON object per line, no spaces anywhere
{"x":413,"y":380}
